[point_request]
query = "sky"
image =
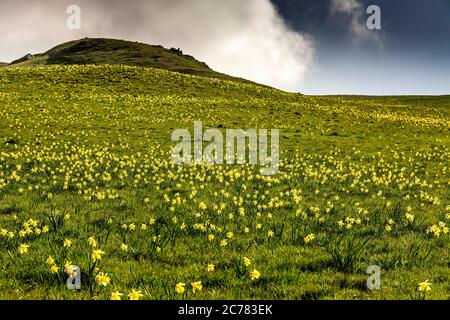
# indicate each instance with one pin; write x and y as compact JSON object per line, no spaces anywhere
{"x":409,"y":55}
{"x":307,"y":46}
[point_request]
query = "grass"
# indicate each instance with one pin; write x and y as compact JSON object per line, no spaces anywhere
{"x":84,"y":152}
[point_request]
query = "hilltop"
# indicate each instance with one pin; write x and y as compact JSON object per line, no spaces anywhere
{"x":100,"y":51}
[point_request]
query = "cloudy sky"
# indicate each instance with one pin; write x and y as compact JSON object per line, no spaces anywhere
{"x":309,"y":46}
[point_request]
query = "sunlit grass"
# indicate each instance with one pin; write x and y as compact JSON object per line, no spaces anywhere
{"x":86,"y":180}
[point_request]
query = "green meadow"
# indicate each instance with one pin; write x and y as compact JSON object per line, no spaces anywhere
{"x":86,"y":180}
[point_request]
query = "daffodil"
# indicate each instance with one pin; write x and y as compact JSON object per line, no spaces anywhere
{"x":67,"y":243}
{"x":71,"y":270}
{"x":135,"y":295}
{"x":102,"y":279}
{"x":309,"y":238}
{"x":202,"y":206}
{"x":246,"y":261}
{"x":180,"y":288}
{"x":92,"y":242}
{"x":54,"y":269}
{"x":196,"y":286}
{"x":409,"y":217}
{"x":425,"y":286}
{"x":97,"y":255}
{"x":68,"y":265}
{"x":254,"y":275}
{"x":116,"y":295}
{"x":23,"y":248}
{"x":50,"y":261}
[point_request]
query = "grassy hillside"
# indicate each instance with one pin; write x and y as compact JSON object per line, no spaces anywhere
{"x":111,"y":51}
{"x":85,"y":166}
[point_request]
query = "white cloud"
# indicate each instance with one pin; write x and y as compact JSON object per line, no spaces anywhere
{"x":245,"y":38}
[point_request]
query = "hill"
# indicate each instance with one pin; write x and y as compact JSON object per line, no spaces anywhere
{"x":100,"y":51}
{"x":86,"y":178}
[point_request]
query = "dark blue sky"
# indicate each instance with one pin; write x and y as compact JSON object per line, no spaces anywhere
{"x":409,"y":55}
